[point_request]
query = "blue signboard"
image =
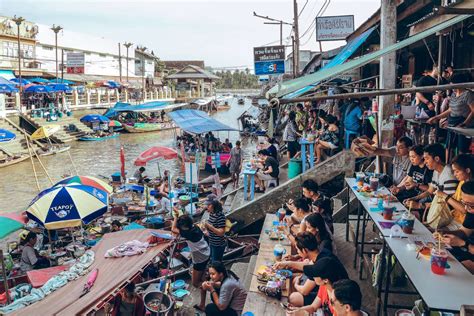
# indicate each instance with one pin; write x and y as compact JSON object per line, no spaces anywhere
{"x":272,"y":67}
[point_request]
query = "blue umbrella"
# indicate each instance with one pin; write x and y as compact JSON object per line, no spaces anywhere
{"x":6,"y":136}
{"x":39,"y":80}
{"x":6,"y":88}
{"x":60,"y":87}
{"x":113,"y":84}
{"x":94,"y":118}
{"x":39,"y":89}
{"x":23,"y":82}
{"x":61,"y":81}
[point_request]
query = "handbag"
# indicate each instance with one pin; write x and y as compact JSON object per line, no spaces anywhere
{"x":439,"y":214}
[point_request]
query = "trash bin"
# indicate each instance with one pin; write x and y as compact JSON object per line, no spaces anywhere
{"x":294,"y":168}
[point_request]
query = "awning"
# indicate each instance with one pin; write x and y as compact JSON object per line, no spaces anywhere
{"x":339,"y":59}
{"x":7,"y":74}
{"x":153,"y":106}
{"x":197,"y":122}
{"x":299,"y":83}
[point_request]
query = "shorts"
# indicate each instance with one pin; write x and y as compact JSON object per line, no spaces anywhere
{"x":201,"y":266}
{"x":331,"y":146}
{"x":458,"y":141}
{"x":293,"y":148}
{"x":264,"y":177}
{"x":309,"y":299}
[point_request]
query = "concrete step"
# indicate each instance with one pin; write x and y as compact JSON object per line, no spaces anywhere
{"x":240,"y":269}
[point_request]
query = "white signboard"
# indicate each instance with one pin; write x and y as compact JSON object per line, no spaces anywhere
{"x":75,"y":60}
{"x":334,"y":28}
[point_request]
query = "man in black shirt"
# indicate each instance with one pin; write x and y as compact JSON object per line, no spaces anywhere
{"x":270,"y":171}
{"x":424,"y":100}
{"x":462,"y":240}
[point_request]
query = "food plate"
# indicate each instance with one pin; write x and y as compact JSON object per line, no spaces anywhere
{"x":287,"y":274}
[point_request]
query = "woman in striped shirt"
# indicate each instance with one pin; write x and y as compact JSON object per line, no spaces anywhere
{"x":215,"y":227}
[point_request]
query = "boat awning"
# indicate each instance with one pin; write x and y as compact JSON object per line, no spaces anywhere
{"x":197,"y":122}
{"x":7,"y":74}
{"x":291,"y":86}
{"x":113,"y":274}
{"x":339,"y":59}
{"x":153,"y":106}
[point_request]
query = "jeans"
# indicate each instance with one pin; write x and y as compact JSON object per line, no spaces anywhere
{"x":212,"y":310}
{"x":217,"y":252}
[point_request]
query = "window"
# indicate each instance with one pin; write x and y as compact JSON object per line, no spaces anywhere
{"x":47,"y":48}
{"x":103,"y":55}
{"x":10,"y":49}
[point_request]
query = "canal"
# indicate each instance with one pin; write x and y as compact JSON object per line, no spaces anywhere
{"x":17,"y":182}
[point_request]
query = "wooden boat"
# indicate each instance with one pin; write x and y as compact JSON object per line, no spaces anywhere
{"x":224,"y":106}
{"x":54,"y":150}
{"x":5,"y":162}
{"x":90,"y":138}
{"x":148,"y":127}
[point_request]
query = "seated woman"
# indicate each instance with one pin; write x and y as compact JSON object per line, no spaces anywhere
{"x":227,"y":293}
{"x":300,"y":208}
{"x":30,"y":259}
{"x":200,"y":253}
{"x":128,"y":302}
{"x":116,"y":226}
{"x":463,"y":169}
{"x":315,"y":225}
{"x":329,"y":138}
{"x":417,"y":179}
{"x":325,"y":273}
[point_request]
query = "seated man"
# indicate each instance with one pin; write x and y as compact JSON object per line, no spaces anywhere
{"x":462,"y":240}
{"x":139,"y":175}
{"x":270,"y":171}
{"x":347,"y":298}
{"x":163,"y":204}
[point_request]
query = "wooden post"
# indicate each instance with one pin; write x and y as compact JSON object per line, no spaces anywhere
{"x":32,"y":163}
{"x":4,"y":275}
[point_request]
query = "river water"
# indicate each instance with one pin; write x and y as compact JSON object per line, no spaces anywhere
{"x":17,"y":182}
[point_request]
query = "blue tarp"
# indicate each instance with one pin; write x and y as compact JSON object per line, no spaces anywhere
{"x":197,"y":122}
{"x":6,"y":74}
{"x":39,"y":80}
{"x":38,"y":89}
{"x":6,"y":136}
{"x":339,"y":59}
{"x":153,"y":106}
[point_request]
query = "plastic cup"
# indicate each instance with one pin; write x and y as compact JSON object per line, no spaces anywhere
{"x":388,"y":212}
{"x":278,"y":252}
{"x":407,"y":222}
{"x":281,"y":214}
{"x":360,"y":179}
{"x":374,"y":183}
{"x":439,"y":259}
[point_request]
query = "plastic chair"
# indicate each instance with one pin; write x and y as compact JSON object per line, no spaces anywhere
{"x":347,"y":137}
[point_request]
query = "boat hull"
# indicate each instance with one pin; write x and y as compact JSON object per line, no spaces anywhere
{"x":148,"y":127}
{"x":56,"y":151}
{"x":13,"y":161}
{"x":96,"y":139}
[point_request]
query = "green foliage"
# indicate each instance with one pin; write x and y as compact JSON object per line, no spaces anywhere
{"x":236,"y":80}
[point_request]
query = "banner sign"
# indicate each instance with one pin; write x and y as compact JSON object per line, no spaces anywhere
{"x":334,"y":28}
{"x":75,"y":63}
{"x":269,"y":60}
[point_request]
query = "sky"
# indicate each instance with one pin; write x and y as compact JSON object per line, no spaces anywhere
{"x":220,"y":32}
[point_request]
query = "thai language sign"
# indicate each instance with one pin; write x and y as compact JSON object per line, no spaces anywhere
{"x":75,"y":63}
{"x":269,"y":60}
{"x":334,"y":28}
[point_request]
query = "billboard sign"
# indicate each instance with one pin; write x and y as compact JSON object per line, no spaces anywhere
{"x":75,"y":63}
{"x":269,"y":60}
{"x":334,"y":28}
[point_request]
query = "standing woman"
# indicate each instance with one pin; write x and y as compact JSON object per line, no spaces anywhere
{"x":194,"y":237}
{"x":235,"y":163}
{"x":227,"y":293}
{"x":215,"y":227}
{"x":290,"y":135}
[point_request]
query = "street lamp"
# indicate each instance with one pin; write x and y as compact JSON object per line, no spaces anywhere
{"x":18,"y":21}
{"x":56,"y":30}
{"x":127,"y":45}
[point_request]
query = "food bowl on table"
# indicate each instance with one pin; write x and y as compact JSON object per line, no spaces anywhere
{"x":157,"y":303}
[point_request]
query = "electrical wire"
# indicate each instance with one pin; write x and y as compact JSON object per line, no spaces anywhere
{"x":303,"y":8}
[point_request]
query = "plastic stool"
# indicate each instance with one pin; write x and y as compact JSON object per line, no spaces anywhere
{"x":271,"y":182}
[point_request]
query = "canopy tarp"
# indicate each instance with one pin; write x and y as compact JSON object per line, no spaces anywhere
{"x":339,"y":59}
{"x":7,"y":74}
{"x":299,"y":83}
{"x":153,"y":106}
{"x":197,"y":122}
{"x":113,"y":273}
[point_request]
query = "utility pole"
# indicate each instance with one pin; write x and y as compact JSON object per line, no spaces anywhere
{"x":388,"y":37}
{"x":18,"y":21}
{"x":293,"y":56}
{"x":296,"y":52}
{"x":62,"y":65}
{"x":56,"y":30}
{"x":120,"y":63}
{"x":127,"y":45}
{"x":274,"y":22}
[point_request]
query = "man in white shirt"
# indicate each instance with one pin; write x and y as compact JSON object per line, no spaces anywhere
{"x":163,"y":203}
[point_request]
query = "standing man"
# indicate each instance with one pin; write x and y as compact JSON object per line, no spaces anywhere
{"x":424,"y":100}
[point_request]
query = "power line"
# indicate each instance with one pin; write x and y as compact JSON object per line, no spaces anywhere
{"x":303,"y":8}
